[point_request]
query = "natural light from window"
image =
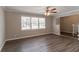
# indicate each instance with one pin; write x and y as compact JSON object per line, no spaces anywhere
{"x":28,"y":23}
{"x":34,"y":23}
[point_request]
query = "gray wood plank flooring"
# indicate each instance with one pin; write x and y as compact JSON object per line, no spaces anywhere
{"x":44,"y":43}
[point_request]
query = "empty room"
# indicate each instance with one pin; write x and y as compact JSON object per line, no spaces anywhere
{"x":39,"y":28}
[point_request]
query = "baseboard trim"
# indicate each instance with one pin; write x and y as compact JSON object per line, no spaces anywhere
{"x":69,"y":36}
{"x":66,"y":32}
{"x":27,"y":36}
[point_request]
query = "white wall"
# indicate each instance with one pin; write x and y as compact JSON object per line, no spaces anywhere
{"x":2,"y":28}
{"x":13,"y":26}
{"x":56,"y":25}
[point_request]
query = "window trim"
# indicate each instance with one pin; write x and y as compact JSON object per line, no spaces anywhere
{"x":31,"y":23}
{"x":44,"y":23}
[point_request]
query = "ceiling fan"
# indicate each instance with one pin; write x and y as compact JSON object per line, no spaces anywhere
{"x":49,"y":10}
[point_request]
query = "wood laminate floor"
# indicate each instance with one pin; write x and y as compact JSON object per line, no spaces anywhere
{"x":45,"y":43}
{"x":69,"y":34}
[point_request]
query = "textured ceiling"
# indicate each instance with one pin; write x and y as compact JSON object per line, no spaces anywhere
{"x":39,"y":9}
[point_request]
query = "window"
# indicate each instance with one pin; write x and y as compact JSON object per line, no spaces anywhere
{"x":32,"y":23}
{"x":41,"y":23}
{"x":25,"y":23}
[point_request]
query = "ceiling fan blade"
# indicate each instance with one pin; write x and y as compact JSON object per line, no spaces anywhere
{"x":50,"y":10}
{"x":54,"y":12}
{"x":53,"y":9}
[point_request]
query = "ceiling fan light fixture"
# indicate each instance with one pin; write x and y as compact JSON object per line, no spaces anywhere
{"x":47,"y":13}
{"x":50,"y":10}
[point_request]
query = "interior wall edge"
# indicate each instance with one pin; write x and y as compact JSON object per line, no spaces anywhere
{"x":2,"y":45}
{"x":2,"y":28}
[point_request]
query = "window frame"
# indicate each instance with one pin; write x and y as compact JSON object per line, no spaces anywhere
{"x":26,"y":25}
{"x":31,"y":23}
{"x":37,"y":22}
{"x":44,"y":22}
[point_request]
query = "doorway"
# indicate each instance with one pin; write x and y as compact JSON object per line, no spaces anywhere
{"x":69,"y":26}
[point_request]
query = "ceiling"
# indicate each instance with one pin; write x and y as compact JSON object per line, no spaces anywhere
{"x":39,"y":9}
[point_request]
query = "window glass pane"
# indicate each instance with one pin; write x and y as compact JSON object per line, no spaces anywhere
{"x":34,"y":23}
{"x":25,"y":23}
{"x":41,"y":23}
